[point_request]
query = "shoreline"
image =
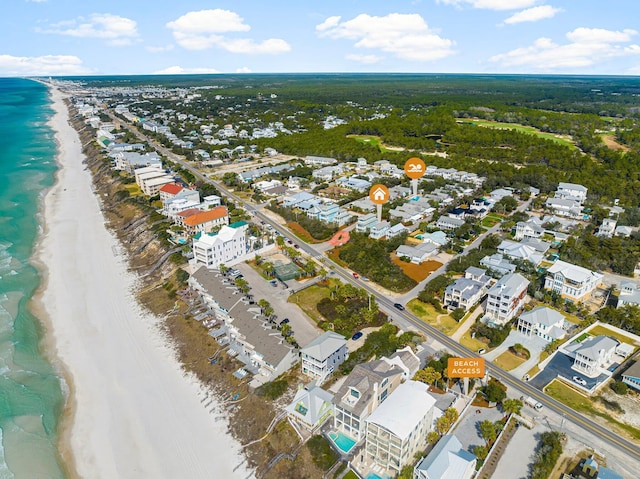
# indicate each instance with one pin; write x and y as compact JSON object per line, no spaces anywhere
{"x":144,"y":439}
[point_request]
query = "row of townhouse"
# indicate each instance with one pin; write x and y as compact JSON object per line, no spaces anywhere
{"x":250,"y":337}
{"x":378,"y":229}
{"x":151,"y":178}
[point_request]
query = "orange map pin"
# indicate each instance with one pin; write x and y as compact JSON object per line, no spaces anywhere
{"x":415,"y":168}
{"x":379,"y":194}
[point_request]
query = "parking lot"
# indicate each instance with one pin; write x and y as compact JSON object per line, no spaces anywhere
{"x":304,"y":330}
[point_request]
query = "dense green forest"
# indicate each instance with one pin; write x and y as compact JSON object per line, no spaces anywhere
{"x":417,"y":114}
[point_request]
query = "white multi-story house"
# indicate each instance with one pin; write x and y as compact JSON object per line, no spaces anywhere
{"x":311,"y":408}
{"x":323,"y":355}
{"x":607,"y":228}
{"x":468,"y":290}
{"x":543,"y":322}
{"x":379,"y":230}
{"x":228,"y":244}
{"x":571,"y":191}
{"x":629,"y":294}
{"x":564,"y":207}
{"x":364,"y":389}
{"x":497,"y":264}
{"x":506,"y":298}
{"x":592,"y":355}
{"x":448,"y":223}
{"x":366,"y":222}
{"x":572,"y":282}
{"x":532,"y":228}
{"x":398,"y":428}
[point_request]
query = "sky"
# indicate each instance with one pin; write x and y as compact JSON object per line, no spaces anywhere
{"x":128,"y":37}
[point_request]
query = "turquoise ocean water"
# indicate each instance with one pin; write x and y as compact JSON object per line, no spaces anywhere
{"x":31,"y":394}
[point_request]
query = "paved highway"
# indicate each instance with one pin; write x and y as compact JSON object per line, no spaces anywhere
{"x":523,"y":388}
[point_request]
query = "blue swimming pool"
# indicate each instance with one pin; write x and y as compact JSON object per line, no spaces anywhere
{"x":373,"y":475}
{"x":344,"y":442}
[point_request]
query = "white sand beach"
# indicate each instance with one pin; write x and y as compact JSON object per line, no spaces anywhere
{"x":134,"y":413}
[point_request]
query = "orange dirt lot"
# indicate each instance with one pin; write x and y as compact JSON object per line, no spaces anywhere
{"x":417,"y":272}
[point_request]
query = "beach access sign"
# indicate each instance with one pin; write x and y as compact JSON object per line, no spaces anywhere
{"x":465,"y":368}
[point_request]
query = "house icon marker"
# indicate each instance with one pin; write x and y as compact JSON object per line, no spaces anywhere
{"x":379,"y":194}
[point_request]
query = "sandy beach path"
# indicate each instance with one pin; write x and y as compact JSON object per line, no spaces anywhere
{"x":136,"y":414}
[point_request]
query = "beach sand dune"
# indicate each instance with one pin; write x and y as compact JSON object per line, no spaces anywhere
{"x":134,"y":414}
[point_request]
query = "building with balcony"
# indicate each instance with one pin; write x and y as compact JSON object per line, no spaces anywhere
{"x":323,"y":355}
{"x":506,"y":298}
{"x":572,"y":282}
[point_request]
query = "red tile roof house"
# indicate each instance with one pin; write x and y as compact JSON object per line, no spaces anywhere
{"x":169,"y":190}
{"x":205,"y":221}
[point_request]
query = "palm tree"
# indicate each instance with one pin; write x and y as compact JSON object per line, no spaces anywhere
{"x":268,"y":267}
{"x":264,"y":304}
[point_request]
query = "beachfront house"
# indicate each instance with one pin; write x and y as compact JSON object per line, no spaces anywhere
{"x":363,"y":390}
{"x":206,"y":221}
{"x":323,"y":355}
{"x":311,"y":407}
{"x":572,"y":282}
{"x":224,"y":247}
{"x":506,"y":298}
{"x":398,"y":428}
{"x":447,"y":460}
{"x":543,"y":322}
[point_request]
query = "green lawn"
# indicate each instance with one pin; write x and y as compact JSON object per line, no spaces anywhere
{"x":133,"y":189}
{"x":471,"y":343}
{"x":427,"y":313}
{"x":491,"y":220}
{"x":523,"y":129}
{"x":350,"y":475}
{"x":603,"y":330}
{"x":308,"y":298}
{"x":508,"y":361}
{"x":572,"y":398}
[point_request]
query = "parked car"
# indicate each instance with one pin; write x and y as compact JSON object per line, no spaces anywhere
{"x":398,"y":306}
{"x":284,"y":321}
{"x":579,"y":380}
{"x":355,"y":275}
{"x":357,"y":336}
{"x":482,"y":351}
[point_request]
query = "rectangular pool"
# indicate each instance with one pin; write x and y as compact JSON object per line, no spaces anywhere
{"x":344,"y":442}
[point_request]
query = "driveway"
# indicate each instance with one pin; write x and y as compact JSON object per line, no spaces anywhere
{"x":467,"y":430}
{"x":520,"y":453}
{"x":560,"y":365}
{"x":304,"y":329}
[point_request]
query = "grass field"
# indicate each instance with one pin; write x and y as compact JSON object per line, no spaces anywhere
{"x":374,"y":141}
{"x":133,"y":189}
{"x":603,"y":330}
{"x":471,"y":343}
{"x":417,"y":272}
{"x":491,"y":220}
{"x":508,"y":361}
{"x":563,"y":140}
{"x":308,"y":298}
{"x":572,"y":398}
{"x":428,"y":314}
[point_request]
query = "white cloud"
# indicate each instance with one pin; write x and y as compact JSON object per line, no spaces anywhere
{"x":533,"y":14}
{"x":116,"y":30}
{"x":406,"y":36}
{"x":166,"y":48}
{"x":53,"y":65}
{"x":243,"y":70}
{"x":178,"y":70}
{"x":491,"y":4}
{"x":367,"y":59}
{"x":200,"y":30}
{"x":587,"y":47}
